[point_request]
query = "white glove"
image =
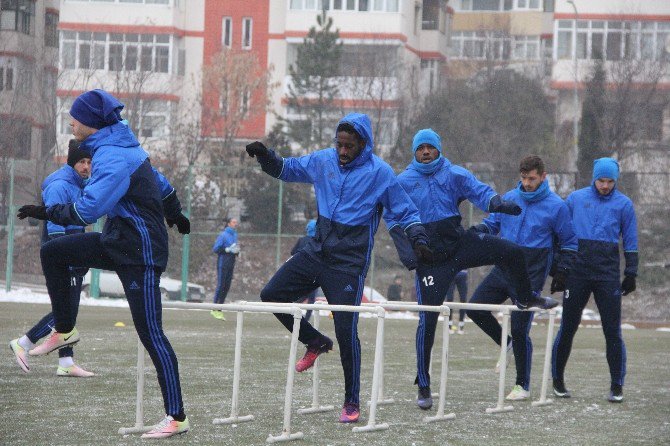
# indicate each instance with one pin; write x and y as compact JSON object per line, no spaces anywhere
{"x":233,"y":249}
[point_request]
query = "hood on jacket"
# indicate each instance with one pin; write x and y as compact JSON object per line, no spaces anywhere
{"x":361,"y":123}
{"x":119,"y":135}
{"x":65,"y":173}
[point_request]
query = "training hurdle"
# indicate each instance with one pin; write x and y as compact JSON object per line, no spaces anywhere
{"x":286,"y":434}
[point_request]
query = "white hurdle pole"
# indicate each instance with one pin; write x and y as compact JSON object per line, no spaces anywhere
{"x":440,"y":416}
{"x":543,"y":401}
{"x":139,"y":402}
{"x":500,"y":407}
{"x":379,"y":352}
{"x":234,"y":406}
{"x":286,"y":434}
{"x":316,"y":405}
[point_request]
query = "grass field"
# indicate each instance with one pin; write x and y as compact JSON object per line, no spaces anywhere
{"x":40,"y":408}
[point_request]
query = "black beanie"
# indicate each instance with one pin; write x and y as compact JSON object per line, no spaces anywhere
{"x":75,"y":154}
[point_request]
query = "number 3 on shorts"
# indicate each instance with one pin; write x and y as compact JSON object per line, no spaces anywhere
{"x":428,"y":280}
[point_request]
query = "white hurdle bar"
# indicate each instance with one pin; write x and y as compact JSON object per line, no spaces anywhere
{"x":543,"y":401}
{"x":286,"y":434}
{"x":379,"y":351}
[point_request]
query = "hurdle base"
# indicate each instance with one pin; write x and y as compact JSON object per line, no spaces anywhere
{"x":371,"y":427}
{"x":449,"y":416}
{"x":315,"y":409}
{"x":284,"y":437}
{"x":382,"y":402}
{"x":134,"y":430}
{"x":233,"y":420}
{"x":544,"y":402}
{"x":499,"y":409}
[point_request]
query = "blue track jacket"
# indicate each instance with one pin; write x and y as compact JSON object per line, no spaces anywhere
{"x":62,"y":186}
{"x":437,"y":195}
{"x":539,"y":225}
{"x":350,"y":200}
{"x":599,"y":221}
{"x":134,"y":196}
{"x":226,"y":238}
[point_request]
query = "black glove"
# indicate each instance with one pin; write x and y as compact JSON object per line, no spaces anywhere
{"x":558,"y":282}
{"x":30,"y":210}
{"x":497,"y":204}
{"x":183,"y":223}
{"x":423,"y":253}
{"x":481,"y":228}
{"x":257,"y":148}
{"x":628,"y":285}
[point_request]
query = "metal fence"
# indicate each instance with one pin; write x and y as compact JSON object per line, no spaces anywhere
{"x":273,"y":216}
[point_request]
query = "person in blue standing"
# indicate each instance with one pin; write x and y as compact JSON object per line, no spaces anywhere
{"x":601,"y":215}
{"x":460,"y":283}
{"x":63,"y":186}
{"x":226,"y":250}
{"x":134,"y":243}
{"x":352,"y":186}
{"x":544,"y":218}
{"x":437,"y":187}
{"x":310,"y":231}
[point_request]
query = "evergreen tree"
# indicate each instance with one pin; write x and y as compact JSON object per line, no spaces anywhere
{"x":590,"y":141}
{"x":314,"y":85}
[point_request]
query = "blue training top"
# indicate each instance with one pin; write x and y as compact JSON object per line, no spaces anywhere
{"x":62,"y":186}
{"x":132,"y":194}
{"x":226,"y":238}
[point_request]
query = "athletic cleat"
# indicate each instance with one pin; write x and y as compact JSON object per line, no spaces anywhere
{"x":560,"y":391}
{"x":167,"y":428}
{"x":350,"y":413}
{"x":55,"y":341}
{"x":518,"y":393}
{"x":20,"y":354}
{"x":541,"y":302}
{"x":425,"y":398}
{"x":74,"y":371}
{"x":322,"y":345}
{"x":616,"y":395}
{"x":452,"y":330}
{"x":218,"y":314}
{"x":510,"y":353}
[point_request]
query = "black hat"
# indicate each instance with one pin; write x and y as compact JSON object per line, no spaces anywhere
{"x":75,"y":154}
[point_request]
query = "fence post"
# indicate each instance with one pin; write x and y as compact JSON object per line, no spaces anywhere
{"x":186,"y":239}
{"x":94,"y":290}
{"x":280,"y":204}
{"x":10,"y":230}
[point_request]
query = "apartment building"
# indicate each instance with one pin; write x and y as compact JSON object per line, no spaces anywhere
{"x":28,"y":71}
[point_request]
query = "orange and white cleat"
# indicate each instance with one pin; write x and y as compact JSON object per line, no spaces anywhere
{"x":167,"y":428}
{"x":20,"y":354}
{"x":55,"y":341}
{"x":74,"y":371}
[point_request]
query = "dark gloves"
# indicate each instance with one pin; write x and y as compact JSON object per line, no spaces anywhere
{"x":29,"y":210}
{"x":497,"y":204}
{"x":558,"y":282}
{"x":257,"y":148}
{"x":480,"y":228}
{"x":628,"y":285}
{"x":183,"y":223}
{"x":423,"y":253}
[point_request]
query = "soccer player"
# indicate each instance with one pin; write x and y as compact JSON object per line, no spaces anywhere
{"x":601,"y":215}
{"x":134,"y":242}
{"x":63,"y":186}
{"x":544,"y":218}
{"x":352,"y":187}
{"x":310,"y":231}
{"x":461,"y":283}
{"x":437,"y":187}
{"x":227,"y":250}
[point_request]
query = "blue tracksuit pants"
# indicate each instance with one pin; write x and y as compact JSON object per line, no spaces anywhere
{"x":141,"y":285}
{"x":44,"y":326}
{"x":302,"y":274}
{"x":607,"y":295}
{"x":432,"y":282}
{"x":495,"y":289}
{"x":225,"y":264}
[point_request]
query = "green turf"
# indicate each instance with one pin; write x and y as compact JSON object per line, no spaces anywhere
{"x":40,"y":408}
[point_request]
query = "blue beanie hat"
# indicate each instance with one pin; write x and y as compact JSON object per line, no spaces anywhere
{"x":310,"y":229}
{"x":426,"y":136}
{"x":96,"y":109}
{"x":605,"y":168}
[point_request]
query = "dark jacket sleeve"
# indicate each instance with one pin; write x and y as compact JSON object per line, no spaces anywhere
{"x":272,"y":164}
{"x":404,"y":247}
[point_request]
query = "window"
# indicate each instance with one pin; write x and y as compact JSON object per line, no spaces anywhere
{"x":51,"y":30}
{"x":345,"y":5}
{"x":489,"y":45}
{"x":7,"y":65}
{"x":504,"y":5}
{"x":116,"y":51}
{"x":245,"y":99}
{"x":227,"y":32}
{"x":63,"y":120}
{"x":526,"y":48}
{"x":147,"y":2}
{"x":18,"y":15}
{"x":246,"y":33}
